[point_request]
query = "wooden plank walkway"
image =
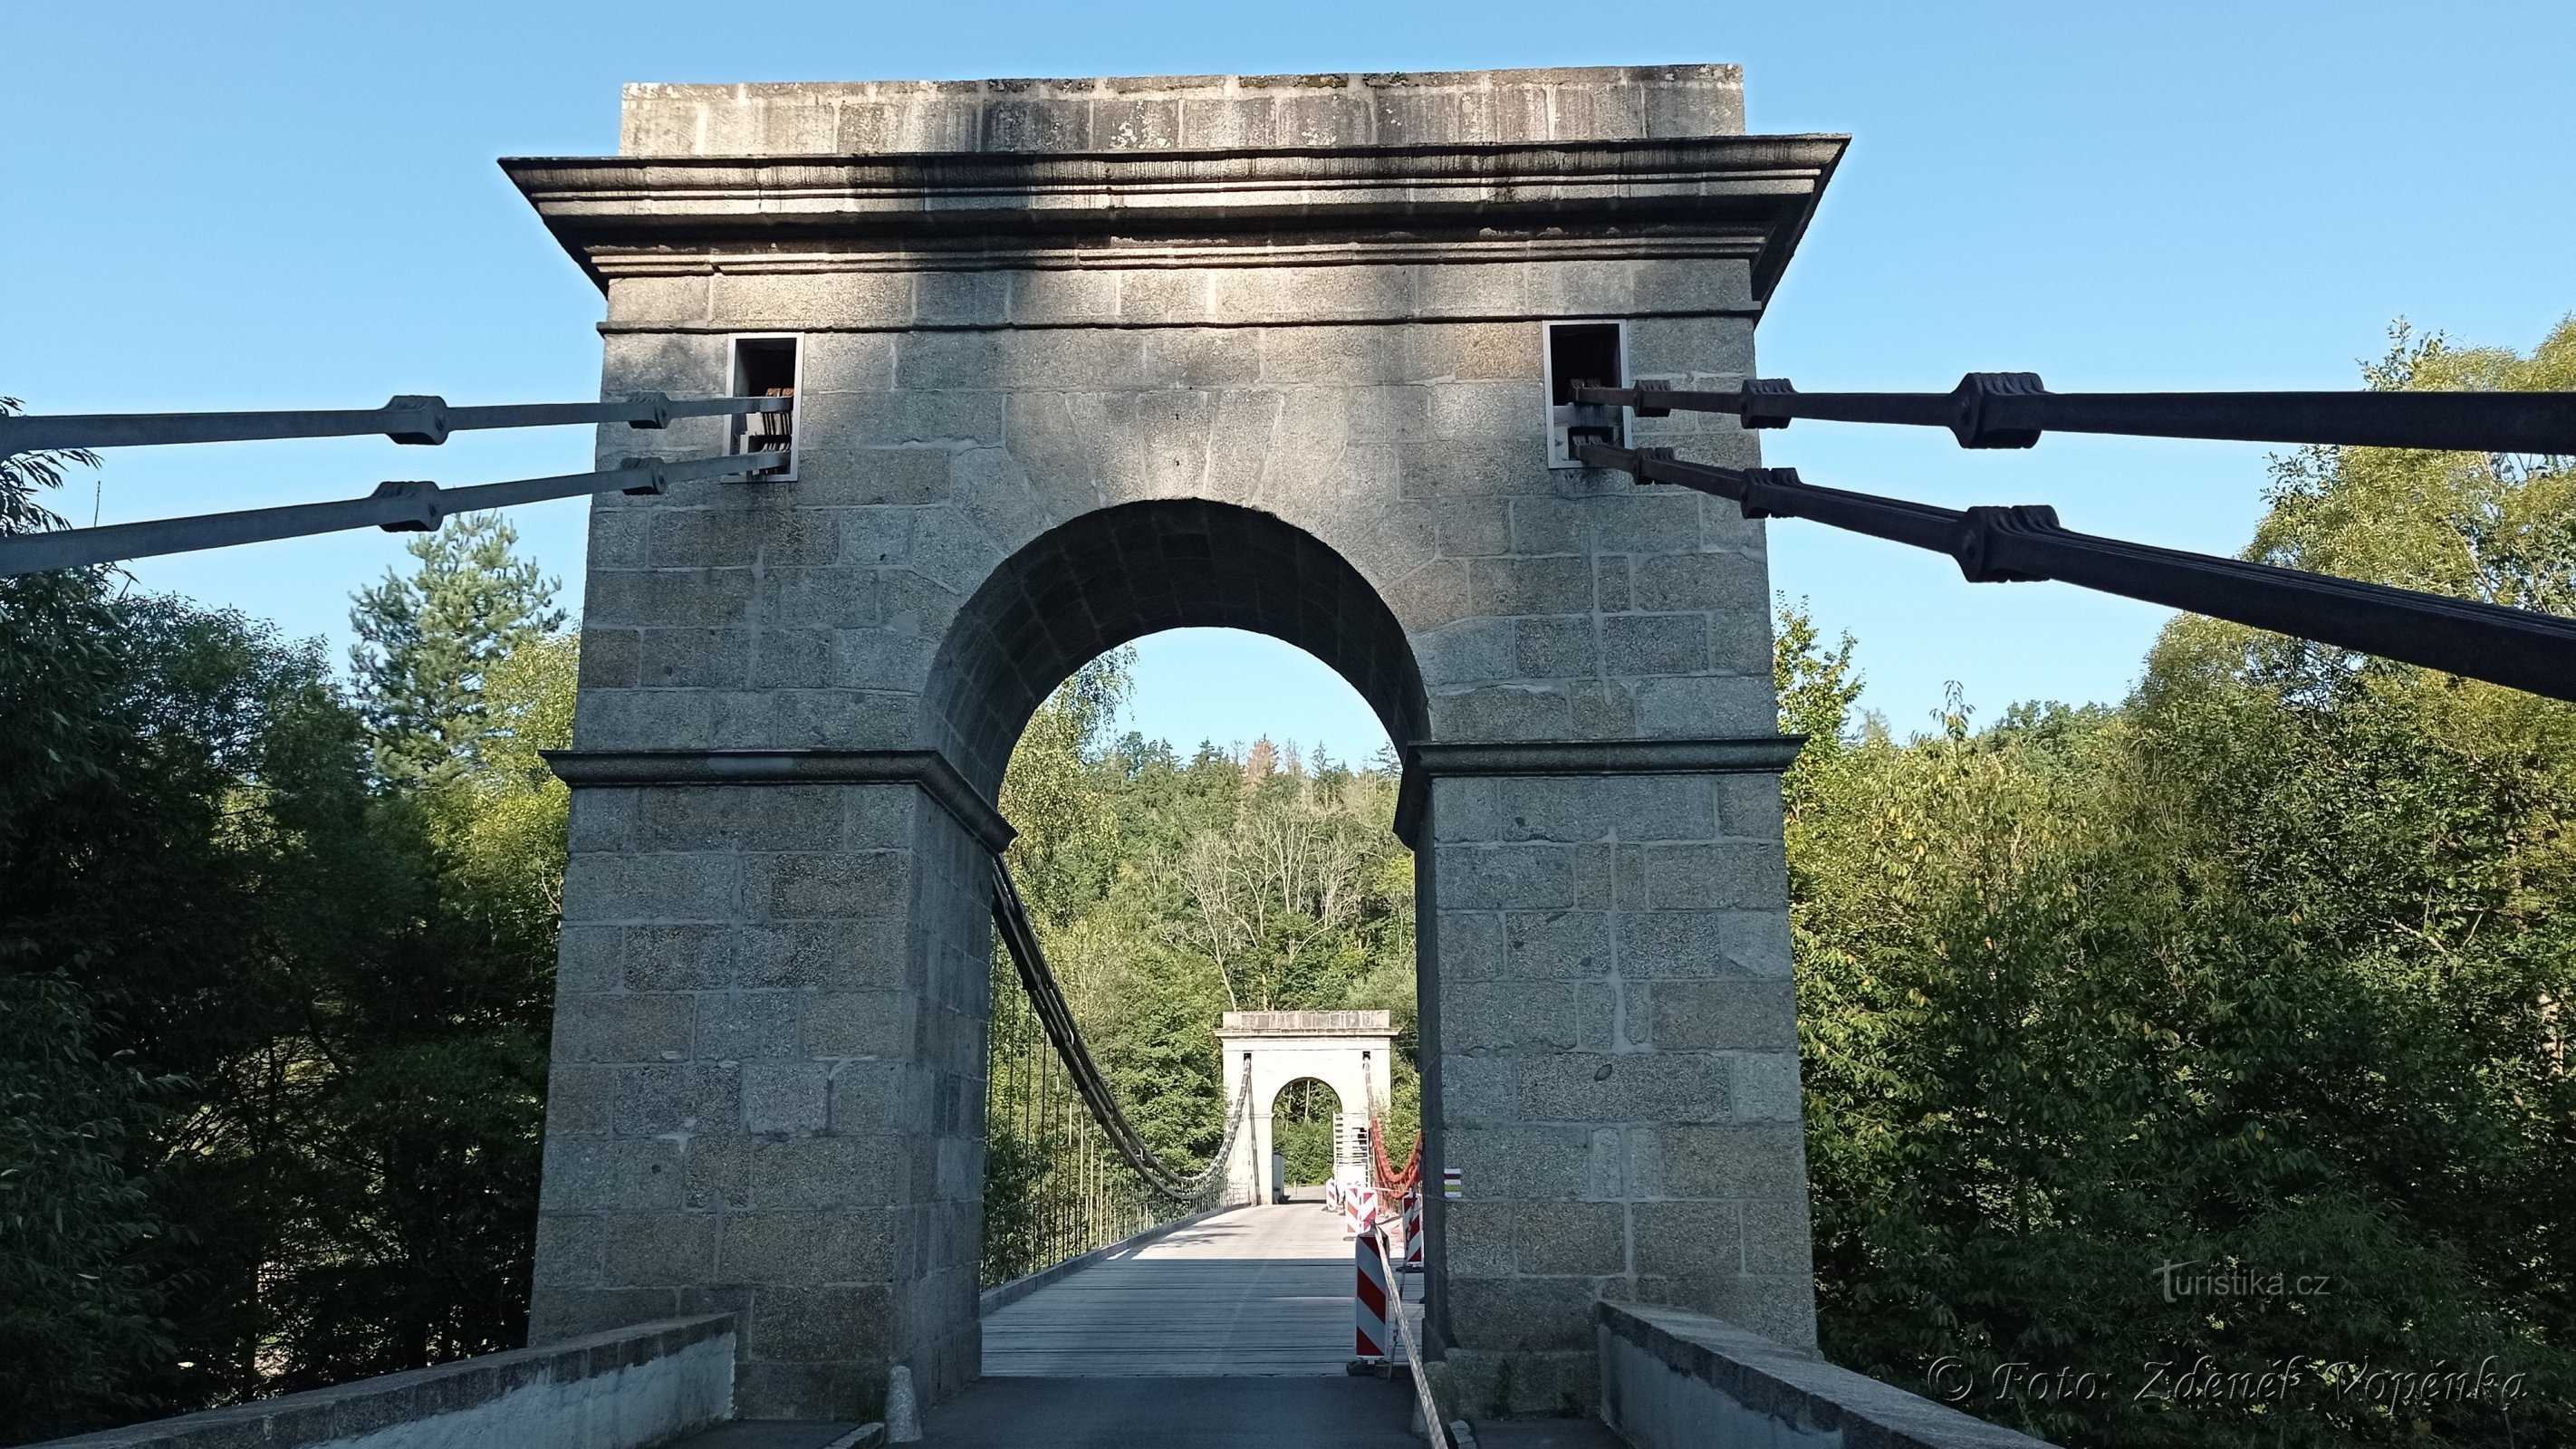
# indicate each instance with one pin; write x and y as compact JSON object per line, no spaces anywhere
{"x":1254,"y":1292}
{"x":1213,"y":1413}
{"x":1136,"y":1352}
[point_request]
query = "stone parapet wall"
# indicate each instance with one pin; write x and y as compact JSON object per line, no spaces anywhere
{"x":628,"y":1389}
{"x":1330,"y":1023}
{"x":1207,"y":112}
{"x":1672,"y":1379}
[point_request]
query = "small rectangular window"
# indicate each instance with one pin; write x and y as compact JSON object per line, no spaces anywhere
{"x":1591,"y":352}
{"x":767,"y":365}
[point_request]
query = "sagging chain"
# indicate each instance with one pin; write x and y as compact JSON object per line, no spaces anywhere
{"x":1020,"y":937}
{"x":1388,"y":1179}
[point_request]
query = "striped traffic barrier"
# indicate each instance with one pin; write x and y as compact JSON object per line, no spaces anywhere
{"x":1413,"y":1230}
{"x":1426,"y":1407}
{"x":1369,"y":1304}
{"x":1359,"y":1210}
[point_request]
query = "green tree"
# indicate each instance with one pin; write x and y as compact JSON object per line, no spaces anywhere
{"x":22,"y":475}
{"x":272,"y":1035}
{"x":1168,"y":891}
{"x":81,"y":1311}
{"x":500,"y":814}
{"x":426,"y":642}
{"x":2258,"y":977}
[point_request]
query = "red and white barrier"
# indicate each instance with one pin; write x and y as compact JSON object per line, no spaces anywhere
{"x":1413,"y":1230}
{"x":1359,"y":1210}
{"x":1369,"y":1306}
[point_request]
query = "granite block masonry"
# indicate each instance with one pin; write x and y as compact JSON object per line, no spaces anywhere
{"x":1076,"y":361}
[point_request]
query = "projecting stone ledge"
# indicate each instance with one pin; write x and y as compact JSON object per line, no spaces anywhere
{"x":1185,"y":112}
{"x":1319,"y":1023}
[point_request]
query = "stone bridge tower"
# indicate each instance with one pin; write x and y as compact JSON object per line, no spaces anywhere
{"x":1076,"y":361}
{"x":1350,"y":1052}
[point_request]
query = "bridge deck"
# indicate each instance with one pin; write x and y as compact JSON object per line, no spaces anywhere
{"x":1253,"y":1292}
{"x":1135,"y":1352}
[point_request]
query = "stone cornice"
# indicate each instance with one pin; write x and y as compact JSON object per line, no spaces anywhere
{"x":1289,"y":1025}
{"x":928,"y":769}
{"x":1727,"y":755}
{"x":1735,"y":195}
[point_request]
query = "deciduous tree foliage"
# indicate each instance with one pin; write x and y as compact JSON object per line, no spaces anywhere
{"x":2223,"y":1032}
{"x":271,"y":1028}
{"x":1169,"y":892}
{"x":2193,"y":1071}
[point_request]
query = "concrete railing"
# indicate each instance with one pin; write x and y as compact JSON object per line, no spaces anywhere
{"x":1677,"y":1380}
{"x":629,"y":1389}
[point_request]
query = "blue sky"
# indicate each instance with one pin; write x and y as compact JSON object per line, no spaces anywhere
{"x":273,"y":205}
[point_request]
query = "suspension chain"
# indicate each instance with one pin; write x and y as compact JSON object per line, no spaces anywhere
{"x":1046,"y":998}
{"x":1388,"y":1179}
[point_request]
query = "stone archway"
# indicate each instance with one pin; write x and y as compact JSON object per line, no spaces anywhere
{"x":1290,"y":376}
{"x":1279,"y":1175}
{"x":1352,"y":1052}
{"x":1107,"y":577}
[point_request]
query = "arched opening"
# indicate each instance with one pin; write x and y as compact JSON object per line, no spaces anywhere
{"x":1176,"y":885}
{"x":1115,"y":575}
{"x":1223,"y":919}
{"x":1301,"y":1134}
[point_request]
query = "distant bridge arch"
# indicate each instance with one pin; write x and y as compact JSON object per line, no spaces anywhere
{"x":1267,"y":1051}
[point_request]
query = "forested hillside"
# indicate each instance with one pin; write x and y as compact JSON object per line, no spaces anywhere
{"x":1173,"y":890}
{"x":2150,"y":1049}
{"x":2225,"y":1030}
{"x":276,"y":965}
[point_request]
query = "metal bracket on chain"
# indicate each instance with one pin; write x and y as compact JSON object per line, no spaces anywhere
{"x":1647,"y":454}
{"x":659,"y":417}
{"x":427,"y":512}
{"x":1968,"y":402}
{"x":650,"y":484}
{"x":1759,"y":482}
{"x":1749,"y":408}
{"x":1981,"y":527}
{"x":429,"y":420}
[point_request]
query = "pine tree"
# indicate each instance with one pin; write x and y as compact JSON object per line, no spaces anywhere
{"x":426,"y":642}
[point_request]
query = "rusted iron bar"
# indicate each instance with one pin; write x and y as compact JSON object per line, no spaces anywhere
{"x":2011,"y":410}
{"x":400,"y":507}
{"x":425,"y":420}
{"x":2514,"y":647}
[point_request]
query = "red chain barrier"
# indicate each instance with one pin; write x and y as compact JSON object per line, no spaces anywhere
{"x":1388,"y":1179}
